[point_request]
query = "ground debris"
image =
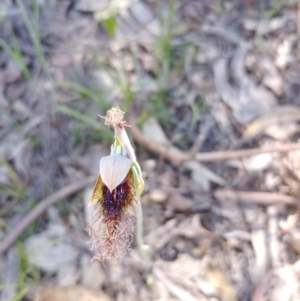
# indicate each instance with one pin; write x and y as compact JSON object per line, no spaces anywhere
{"x":211,"y":90}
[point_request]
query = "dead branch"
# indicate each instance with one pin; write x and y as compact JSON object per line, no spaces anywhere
{"x":40,"y":208}
{"x":261,"y":198}
{"x":227,"y":155}
{"x":178,"y":158}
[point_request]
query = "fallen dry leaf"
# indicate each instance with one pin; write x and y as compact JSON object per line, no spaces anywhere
{"x":219,"y":280}
{"x":48,"y":251}
{"x":277,"y":116}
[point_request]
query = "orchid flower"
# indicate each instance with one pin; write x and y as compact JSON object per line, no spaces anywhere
{"x":116,"y":196}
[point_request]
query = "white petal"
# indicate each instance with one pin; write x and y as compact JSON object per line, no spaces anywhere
{"x":114,"y":169}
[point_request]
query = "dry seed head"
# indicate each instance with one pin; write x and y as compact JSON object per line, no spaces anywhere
{"x":115,"y":117}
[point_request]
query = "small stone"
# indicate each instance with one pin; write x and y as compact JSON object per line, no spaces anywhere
{"x":149,"y":165}
{"x":158,"y":196}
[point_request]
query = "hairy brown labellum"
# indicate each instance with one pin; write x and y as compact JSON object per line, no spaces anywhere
{"x":112,"y":228}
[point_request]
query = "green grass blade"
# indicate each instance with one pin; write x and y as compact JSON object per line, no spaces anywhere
{"x":16,"y":55}
{"x":110,"y":25}
{"x":85,"y":119}
{"x":20,"y":294}
{"x":31,"y":30}
{"x":85,"y":92}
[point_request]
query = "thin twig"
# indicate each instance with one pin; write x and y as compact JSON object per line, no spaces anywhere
{"x":227,"y":155}
{"x":200,"y":139}
{"x":40,"y":208}
{"x":261,"y":198}
{"x":178,"y":158}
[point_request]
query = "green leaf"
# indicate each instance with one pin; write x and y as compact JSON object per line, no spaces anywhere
{"x":110,"y":25}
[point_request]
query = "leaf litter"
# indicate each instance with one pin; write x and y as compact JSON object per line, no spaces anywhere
{"x":228,"y":62}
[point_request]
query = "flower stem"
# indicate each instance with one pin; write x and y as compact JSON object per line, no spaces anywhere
{"x":115,"y":118}
{"x":143,"y":248}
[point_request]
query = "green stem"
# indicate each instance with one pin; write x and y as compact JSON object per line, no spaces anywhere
{"x":143,"y":248}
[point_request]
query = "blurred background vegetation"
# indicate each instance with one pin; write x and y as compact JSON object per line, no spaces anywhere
{"x":193,"y":76}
